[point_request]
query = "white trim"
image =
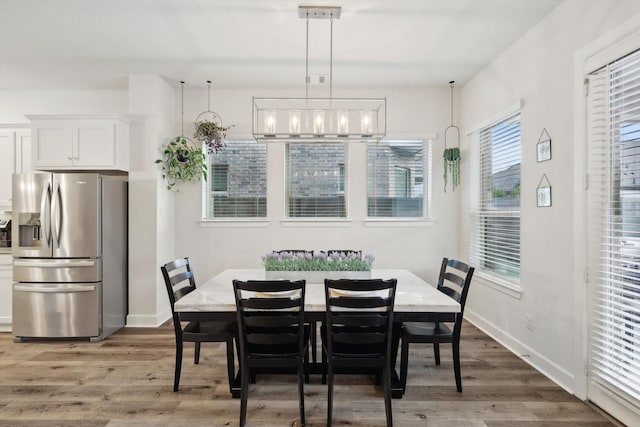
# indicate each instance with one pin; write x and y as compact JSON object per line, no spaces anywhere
{"x":5,"y":323}
{"x":498,"y":117}
{"x":612,"y":403}
{"x":316,"y":222}
{"x":504,"y":286}
{"x":616,"y":43}
{"x":613,"y":45}
{"x":399,"y":222}
{"x":234,"y":222}
{"x":148,"y":320}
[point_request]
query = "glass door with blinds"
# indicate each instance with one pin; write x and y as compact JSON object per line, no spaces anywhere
{"x":614,"y":235}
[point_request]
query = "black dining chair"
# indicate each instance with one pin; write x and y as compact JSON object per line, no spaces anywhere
{"x":454,"y":280}
{"x":180,"y":281}
{"x":357,"y":332}
{"x":272,"y":332}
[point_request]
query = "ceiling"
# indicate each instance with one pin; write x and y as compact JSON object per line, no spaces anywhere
{"x":97,"y":44}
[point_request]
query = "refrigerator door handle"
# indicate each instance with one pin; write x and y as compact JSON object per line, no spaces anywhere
{"x":54,"y":290}
{"x":53,"y":264}
{"x":45,"y":209}
{"x":56,"y":216}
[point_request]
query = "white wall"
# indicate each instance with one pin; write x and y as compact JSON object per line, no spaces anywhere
{"x":418,"y":247}
{"x":539,"y":70}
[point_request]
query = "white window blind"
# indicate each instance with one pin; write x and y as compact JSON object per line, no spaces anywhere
{"x":495,"y":198}
{"x":614,"y":227}
{"x":396,"y":178}
{"x":237,"y":181}
{"x":315,"y":180}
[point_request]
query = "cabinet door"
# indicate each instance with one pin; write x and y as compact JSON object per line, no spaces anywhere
{"x":23,"y":151}
{"x":94,"y":144}
{"x":5,"y":292}
{"x":7,"y":165}
{"x":52,"y":144}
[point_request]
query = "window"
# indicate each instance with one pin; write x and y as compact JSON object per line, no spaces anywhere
{"x":495,"y":204}
{"x":395,"y":178}
{"x":237,"y":184}
{"x":614,"y":237}
{"x":315,"y":180}
{"x":219,"y":178}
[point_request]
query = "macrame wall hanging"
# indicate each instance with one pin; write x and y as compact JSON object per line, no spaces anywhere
{"x":451,"y":155}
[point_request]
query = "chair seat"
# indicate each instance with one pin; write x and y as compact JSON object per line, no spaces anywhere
{"x":427,"y":332}
{"x":208,"y":331}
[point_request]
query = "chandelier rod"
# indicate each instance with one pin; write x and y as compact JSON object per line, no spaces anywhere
{"x":331,"y":60}
{"x":182,"y":121}
{"x":306,"y":76}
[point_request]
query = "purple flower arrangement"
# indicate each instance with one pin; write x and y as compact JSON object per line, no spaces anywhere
{"x":321,"y":261}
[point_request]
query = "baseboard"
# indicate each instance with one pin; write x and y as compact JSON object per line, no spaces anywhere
{"x":5,"y":323}
{"x":539,"y":362}
{"x":147,"y":320}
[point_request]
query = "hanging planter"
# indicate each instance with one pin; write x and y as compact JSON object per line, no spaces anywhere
{"x":181,"y":160}
{"x":209,"y":128}
{"x":211,"y":134}
{"x":451,"y":155}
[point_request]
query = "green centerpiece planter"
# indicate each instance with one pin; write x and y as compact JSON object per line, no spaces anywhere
{"x":317,"y":267}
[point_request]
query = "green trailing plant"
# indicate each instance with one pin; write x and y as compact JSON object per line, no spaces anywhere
{"x":321,"y":261}
{"x":451,"y":157}
{"x":211,"y":134}
{"x":182,"y":162}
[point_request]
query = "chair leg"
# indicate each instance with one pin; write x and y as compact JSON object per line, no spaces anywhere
{"x":244,"y":392}
{"x":302,"y":373}
{"x":306,"y":367}
{"x":231,"y":369}
{"x":436,"y":352}
{"x":456,"y":364}
{"x":387,"y":396}
{"x":176,"y":375}
{"x":404,"y":364}
{"x":196,"y":354}
{"x":324,"y":366}
{"x":330,"y":395}
{"x":314,"y":342}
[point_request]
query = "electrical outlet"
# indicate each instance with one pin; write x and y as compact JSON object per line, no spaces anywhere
{"x":530,"y":322}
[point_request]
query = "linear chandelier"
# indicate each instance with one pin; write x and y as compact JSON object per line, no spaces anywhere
{"x":319,"y":119}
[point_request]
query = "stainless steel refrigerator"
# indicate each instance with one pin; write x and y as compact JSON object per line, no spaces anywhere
{"x":69,"y":233}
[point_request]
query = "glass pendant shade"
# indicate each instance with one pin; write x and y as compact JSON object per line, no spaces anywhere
{"x":334,"y":119}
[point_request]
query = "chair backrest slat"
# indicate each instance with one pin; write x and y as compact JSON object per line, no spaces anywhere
{"x":459,"y":274}
{"x":270,"y":317}
{"x":179,"y":281}
{"x":359,"y":317}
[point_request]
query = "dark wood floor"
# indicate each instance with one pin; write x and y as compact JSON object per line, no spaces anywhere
{"x":127,"y":380}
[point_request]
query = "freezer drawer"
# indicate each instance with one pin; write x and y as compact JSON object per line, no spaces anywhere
{"x":53,"y":310}
{"x":44,"y":270}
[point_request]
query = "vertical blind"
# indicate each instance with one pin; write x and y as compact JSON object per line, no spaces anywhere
{"x":396,"y":178}
{"x":495,"y":198}
{"x":614,"y":227}
{"x":316,"y":180}
{"x":237,"y":181}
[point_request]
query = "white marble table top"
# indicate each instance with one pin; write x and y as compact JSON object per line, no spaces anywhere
{"x":412,"y":293}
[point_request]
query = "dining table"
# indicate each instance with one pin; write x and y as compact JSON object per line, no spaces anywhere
{"x":415,"y":300}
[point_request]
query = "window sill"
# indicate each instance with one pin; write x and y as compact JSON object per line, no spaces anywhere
{"x":315,"y":222}
{"x":399,"y":222}
{"x":234,"y":222}
{"x":504,"y":286}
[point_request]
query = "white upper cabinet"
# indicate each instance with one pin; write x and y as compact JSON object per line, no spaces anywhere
{"x":14,"y":145}
{"x":80,"y":143}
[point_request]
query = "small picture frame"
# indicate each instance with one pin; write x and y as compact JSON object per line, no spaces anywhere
{"x":544,"y":146}
{"x":543,"y":192}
